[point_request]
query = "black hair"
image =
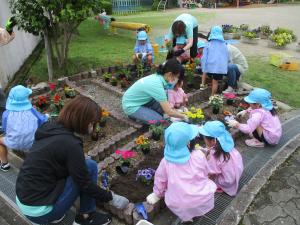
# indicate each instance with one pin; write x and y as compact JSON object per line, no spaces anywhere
{"x":193,"y":143}
{"x":219,"y":150}
{"x":273,"y":112}
{"x":171,"y":65}
{"x":178,"y":27}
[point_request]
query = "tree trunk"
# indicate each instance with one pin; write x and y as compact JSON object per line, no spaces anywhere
{"x":48,"y":55}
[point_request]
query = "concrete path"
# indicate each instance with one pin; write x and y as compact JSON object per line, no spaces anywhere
{"x":279,"y":201}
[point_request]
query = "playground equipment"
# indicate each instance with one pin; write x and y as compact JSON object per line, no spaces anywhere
{"x":162,"y":5}
{"x":122,"y":7}
{"x":109,"y":22}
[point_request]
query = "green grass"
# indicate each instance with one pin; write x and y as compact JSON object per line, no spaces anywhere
{"x":284,"y":85}
{"x":94,"y":47}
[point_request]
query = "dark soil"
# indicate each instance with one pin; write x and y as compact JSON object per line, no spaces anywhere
{"x":134,"y":190}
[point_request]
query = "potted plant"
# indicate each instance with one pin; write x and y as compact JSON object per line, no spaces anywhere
{"x":113,"y":81}
{"x":42,"y":102}
{"x":124,"y":83}
{"x":156,"y":129}
{"x":281,"y":37}
{"x":69,"y":92}
{"x":229,"y":31}
{"x":265,"y":31}
{"x":190,"y":69}
{"x":142,"y":144}
{"x":195,"y":115}
{"x":140,"y":69}
{"x":104,"y":114}
{"x":124,"y":165}
{"x":216,"y":102}
{"x":250,"y":37}
{"x":230,"y":97}
{"x":107,"y":76}
{"x":96,"y":132}
{"x":146,"y":176}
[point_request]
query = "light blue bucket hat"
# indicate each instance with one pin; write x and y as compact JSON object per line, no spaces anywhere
{"x":201,"y":44}
{"x":180,"y":40}
{"x":216,"y":33}
{"x":177,"y":137}
{"x":18,"y":99}
{"x":261,"y":96}
{"x":142,"y":36}
{"x":217,"y":130}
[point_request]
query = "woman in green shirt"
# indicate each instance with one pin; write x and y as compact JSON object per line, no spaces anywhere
{"x":184,"y":25}
{"x":147,"y":100}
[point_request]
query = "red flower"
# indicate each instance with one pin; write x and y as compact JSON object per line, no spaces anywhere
{"x":56,"y":98}
{"x":42,"y":100}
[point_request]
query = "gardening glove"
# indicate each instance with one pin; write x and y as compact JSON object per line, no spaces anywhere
{"x":152,"y":198}
{"x":242,"y":113}
{"x":179,"y":52}
{"x":118,"y":201}
{"x":232,"y":123}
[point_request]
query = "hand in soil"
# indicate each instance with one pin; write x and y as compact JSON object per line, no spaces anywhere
{"x":152,"y":198}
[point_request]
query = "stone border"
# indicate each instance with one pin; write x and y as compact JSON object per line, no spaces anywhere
{"x":239,"y":205}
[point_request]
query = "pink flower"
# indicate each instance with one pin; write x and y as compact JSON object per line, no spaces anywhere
{"x":126,"y":153}
{"x":230,"y":95}
{"x":52,"y":86}
{"x":152,"y":121}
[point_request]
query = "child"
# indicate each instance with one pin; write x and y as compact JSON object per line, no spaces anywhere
{"x":7,"y":34}
{"x":263,"y":123}
{"x":215,"y":58}
{"x":176,"y":97}
{"x":225,"y":163}
{"x":143,"y":50}
{"x":200,"y":47}
{"x":180,"y":43}
{"x":19,"y":121}
{"x":182,"y":177}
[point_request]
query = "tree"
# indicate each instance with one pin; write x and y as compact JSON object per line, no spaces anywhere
{"x":56,"y":20}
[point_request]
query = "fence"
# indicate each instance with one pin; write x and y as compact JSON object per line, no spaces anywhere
{"x":123,"y":7}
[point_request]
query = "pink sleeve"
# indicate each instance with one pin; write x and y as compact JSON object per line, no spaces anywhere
{"x":160,"y":180}
{"x":213,"y":165}
{"x":171,"y":98}
{"x":253,"y":122}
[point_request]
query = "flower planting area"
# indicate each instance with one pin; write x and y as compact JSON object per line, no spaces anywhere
{"x":128,"y":153}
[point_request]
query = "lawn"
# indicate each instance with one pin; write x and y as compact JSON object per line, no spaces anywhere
{"x":284,"y":85}
{"x":94,"y":47}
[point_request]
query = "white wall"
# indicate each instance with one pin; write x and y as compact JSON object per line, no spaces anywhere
{"x":13,"y":55}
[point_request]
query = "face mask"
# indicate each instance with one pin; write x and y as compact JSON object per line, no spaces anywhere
{"x":90,"y":128}
{"x":172,"y":84}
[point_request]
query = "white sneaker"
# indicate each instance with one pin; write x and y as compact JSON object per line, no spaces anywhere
{"x":203,"y":87}
{"x":228,"y":90}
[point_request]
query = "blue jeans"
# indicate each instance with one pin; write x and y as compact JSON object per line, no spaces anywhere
{"x":149,"y":111}
{"x":68,"y":197}
{"x":233,"y":75}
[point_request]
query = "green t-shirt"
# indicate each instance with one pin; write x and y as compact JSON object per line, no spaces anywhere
{"x":190,"y":23}
{"x":143,"y":91}
{"x":34,"y":211}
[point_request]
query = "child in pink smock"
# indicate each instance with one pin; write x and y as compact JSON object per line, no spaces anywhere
{"x":176,"y":97}
{"x":263,"y":124}
{"x":225,"y":163}
{"x":182,"y":177}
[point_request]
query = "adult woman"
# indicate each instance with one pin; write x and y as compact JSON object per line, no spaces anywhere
{"x":147,"y":100}
{"x":184,"y":25}
{"x":55,"y":173}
